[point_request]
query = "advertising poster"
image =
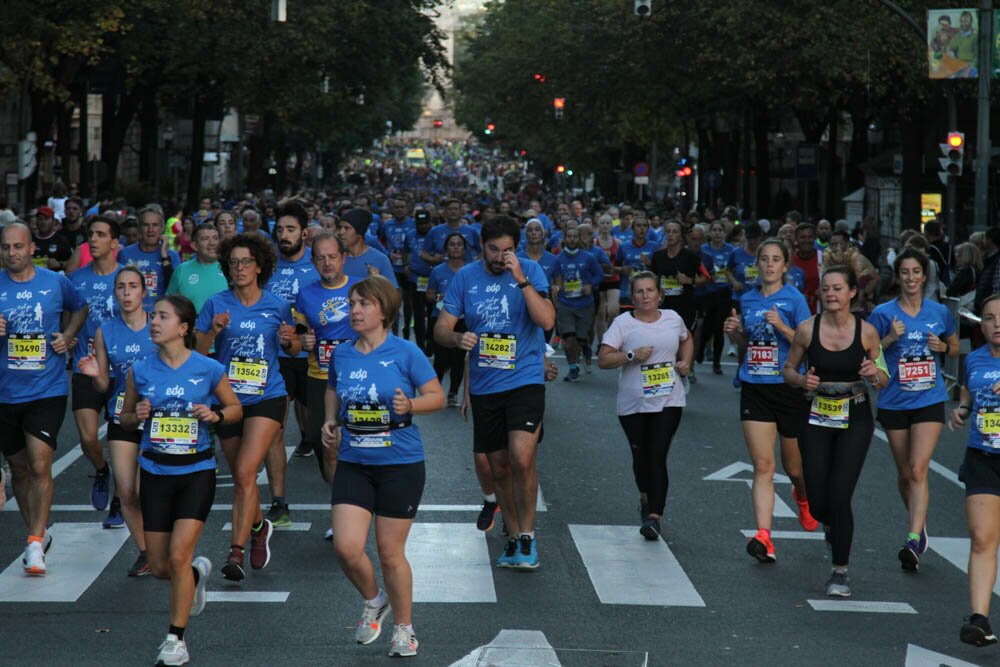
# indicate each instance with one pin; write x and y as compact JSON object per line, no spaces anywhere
{"x":952,"y":43}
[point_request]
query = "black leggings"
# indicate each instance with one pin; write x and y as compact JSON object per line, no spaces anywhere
{"x":832,"y":459}
{"x":649,"y":436}
{"x":450,"y":360}
{"x":415,"y":305}
{"x":716,"y":308}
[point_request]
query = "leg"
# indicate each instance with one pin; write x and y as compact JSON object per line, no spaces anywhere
{"x":407,"y":305}
{"x":275,"y":463}
{"x":34,"y":494}
{"x":524,"y":477}
{"x":849,"y":454}
{"x":791,"y":462}
{"x":659,"y":438}
{"x":502,"y":484}
{"x":816,"y":446}
{"x":899,"y":445}
{"x":571,"y":346}
{"x":90,"y":444}
{"x":126,"y":469}
{"x":250,"y":450}
{"x":923,"y":439}
{"x":456,"y":369}
{"x":635,"y":428}
{"x":391,"y":534}
{"x":158,"y":553}
{"x":350,"y":525}
{"x":982,"y":511}
{"x":183,"y":540}
{"x":483,"y":474}
{"x":760,"y":445}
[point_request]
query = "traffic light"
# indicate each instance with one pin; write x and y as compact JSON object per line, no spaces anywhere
{"x":539,"y":77}
{"x":560,"y":169}
{"x":643,"y":7}
{"x":490,"y":128}
{"x":558,"y":104}
{"x":954,"y":155}
{"x":683,"y":168}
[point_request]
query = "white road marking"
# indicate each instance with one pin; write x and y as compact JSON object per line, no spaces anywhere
{"x":955,"y":550}
{"x":917,"y":656}
{"x":627,"y":569}
{"x":863,"y":606}
{"x":63,"y":462}
{"x":246,"y":596}
{"x":451,"y":563}
{"x":944,"y":471}
{"x":729,"y":474}
{"x":786,"y":534}
{"x":79,"y":553}
{"x":294,"y":528}
{"x":529,"y":648}
{"x":262,"y":475}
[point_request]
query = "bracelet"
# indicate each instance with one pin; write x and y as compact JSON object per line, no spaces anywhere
{"x":947,"y":347}
{"x":967,"y":408}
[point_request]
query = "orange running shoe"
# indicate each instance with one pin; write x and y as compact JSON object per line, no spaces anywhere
{"x":761,"y":547}
{"x":805,"y":517}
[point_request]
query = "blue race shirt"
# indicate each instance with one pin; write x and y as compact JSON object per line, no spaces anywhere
{"x":416,"y":244}
{"x":796,"y":277}
{"x":358,"y":266}
{"x":149,"y":264}
{"x":328,"y":312}
{"x":438,"y":234}
{"x":743,"y":266}
{"x":577,"y":270}
{"x":29,"y":368}
{"x":716,"y":261}
{"x":511,"y":347}
{"x":915,"y":377}
{"x":288,"y":279}
{"x":982,"y":371}
{"x":547,"y":261}
{"x":248,"y":347}
{"x":439,"y":280}
{"x":767,"y":349}
{"x":171,"y":392}
{"x":656,"y":236}
{"x":631,"y":255}
{"x":599,"y":254}
{"x":365,"y":384}
{"x":99,"y":293}
{"x":395,"y":232}
{"x":124,"y":347}
{"x":622,"y":234}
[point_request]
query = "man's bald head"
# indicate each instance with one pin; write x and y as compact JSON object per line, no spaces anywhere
{"x":15,"y":228}
{"x":16,"y":248}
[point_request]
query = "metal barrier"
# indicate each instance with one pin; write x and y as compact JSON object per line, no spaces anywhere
{"x":951,"y":364}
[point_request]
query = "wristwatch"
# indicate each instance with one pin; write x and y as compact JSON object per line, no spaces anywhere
{"x":524,"y":284}
{"x":629,"y":356}
{"x":218,"y":411}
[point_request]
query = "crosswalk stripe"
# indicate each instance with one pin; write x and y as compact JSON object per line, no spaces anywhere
{"x":246,"y":596}
{"x":627,"y":569}
{"x":785,"y":534}
{"x":955,"y":550}
{"x":293,"y":528}
{"x":451,"y":563}
{"x":863,"y":606}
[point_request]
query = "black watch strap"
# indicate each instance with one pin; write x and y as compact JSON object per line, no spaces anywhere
{"x":218,"y":411}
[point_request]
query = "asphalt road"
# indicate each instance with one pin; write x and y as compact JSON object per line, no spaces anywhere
{"x":602,"y":596}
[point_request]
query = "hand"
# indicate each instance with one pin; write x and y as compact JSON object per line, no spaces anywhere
{"x":401,"y":405}
{"x":330,"y":434}
{"x":59,"y":343}
{"x":88,"y":366}
{"x":220,"y":322}
{"x":372,"y":271}
{"x":53,"y":264}
{"x":204,"y":413}
{"x":551,"y":370}
{"x":682,"y":368}
{"x":142,"y":410}
{"x":897,"y":331}
{"x":644,"y":258}
{"x":935,"y":344}
{"x":468,"y":341}
{"x":869,"y":371}
{"x":587,"y":289}
{"x":810,"y":381}
{"x":957,"y":420}
{"x":641,"y":354}
{"x":3,"y":326}
{"x":733,"y":323}
{"x":463,"y":408}
{"x":164,"y":247}
{"x":513,"y":264}
{"x":684,"y":279}
{"x":772,"y":317}
{"x":286,"y":334}
{"x":308,"y":340}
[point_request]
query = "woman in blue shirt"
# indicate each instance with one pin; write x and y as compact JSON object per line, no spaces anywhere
{"x":247,"y":325}
{"x":916,"y":333}
{"x":450,"y":360}
{"x":168,"y":396}
{"x":718,"y":294}
{"x":979,"y":404}
{"x":118,"y":344}
{"x":370,"y":403}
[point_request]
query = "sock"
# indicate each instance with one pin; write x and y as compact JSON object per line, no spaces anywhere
{"x":177,"y":632}
{"x":527,"y":534}
{"x":492,"y":498}
{"x":237,"y":546}
{"x":840,"y":570}
{"x":913,"y":536}
{"x":258,"y":527}
{"x":35,"y":538}
{"x":574,"y":367}
{"x":378,"y":600}
{"x":407,"y":628}
{"x":280,"y":500}
{"x":197,"y":575}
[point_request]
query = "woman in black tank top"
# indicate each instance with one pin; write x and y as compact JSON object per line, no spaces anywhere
{"x":840,"y":351}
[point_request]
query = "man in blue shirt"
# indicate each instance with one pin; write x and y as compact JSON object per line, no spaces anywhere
{"x":152,"y":255}
{"x":576,"y":275}
{"x":506,"y":310}
{"x":394,"y":232}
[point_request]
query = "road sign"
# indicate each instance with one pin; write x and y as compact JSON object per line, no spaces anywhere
{"x":807,"y":162}
{"x":640,"y":169}
{"x":642,"y":180}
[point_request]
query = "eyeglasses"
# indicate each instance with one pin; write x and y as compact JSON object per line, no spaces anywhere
{"x":244,"y":262}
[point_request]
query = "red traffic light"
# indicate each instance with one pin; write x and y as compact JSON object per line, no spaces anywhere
{"x":684,"y":171}
{"x":956,"y":139}
{"x":559,"y":102}
{"x":439,"y":123}
{"x":540,"y":78}
{"x":523,"y":152}
{"x":491,"y":127}
{"x":560,"y":169}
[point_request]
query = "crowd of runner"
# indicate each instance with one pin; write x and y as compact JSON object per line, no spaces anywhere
{"x":190,"y":329}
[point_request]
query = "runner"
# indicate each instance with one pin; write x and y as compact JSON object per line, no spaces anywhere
{"x":652,"y":347}
{"x":96,"y":284}
{"x":576,"y":275}
{"x":742,"y":268}
{"x":370,"y":404}
{"x":118,"y":343}
{"x":715,"y":257}
{"x":679,"y":270}
{"x":764,"y":327}
{"x":201,"y":276}
{"x":152,"y":254}
{"x":980,"y":397}
{"x":225,"y":222}
{"x":808,"y":260}
{"x":33,"y":383}
{"x":633,"y":255}
{"x":610,"y":292}
{"x":448,"y":360}
{"x":362,"y":260}
{"x":394,"y":232}
{"x":587,"y":239}
{"x":247,"y":326}
{"x":52,"y":249}
{"x":840,"y":349}
{"x":506,"y":310}
{"x":168,"y":396}
{"x":418,"y":273}
{"x":914,"y":332}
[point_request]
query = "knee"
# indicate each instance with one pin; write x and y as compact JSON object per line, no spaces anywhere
{"x":347,"y":554}
{"x":764,"y":467}
{"x":159,"y":569}
{"x":500,"y":470}
{"x":243,"y":477}
{"x":177,"y":564}
{"x":917,"y":472}
{"x":128,"y":496}
{"x":391,"y":557}
{"x":40,"y":469}
{"x":522,"y":463}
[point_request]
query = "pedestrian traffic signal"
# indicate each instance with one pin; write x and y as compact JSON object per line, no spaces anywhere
{"x":954,"y":155}
{"x":558,"y":104}
{"x":490,"y":128}
{"x":643,"y":7}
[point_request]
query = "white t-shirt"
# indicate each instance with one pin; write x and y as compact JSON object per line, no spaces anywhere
{"x":641,"y":386}
{"x":58,"y":206}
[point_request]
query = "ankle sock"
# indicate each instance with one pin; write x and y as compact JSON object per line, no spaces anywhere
{"x":913,"y":536}
{"x":280,"y":500}
{"x":178,"y":632}
{"x":524,"y":534}
{"x":492,"y":498}
{"x":378,"y":600}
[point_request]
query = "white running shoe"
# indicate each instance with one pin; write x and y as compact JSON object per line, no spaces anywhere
{"x":404,"y":643}
{"x":204,"y":567}
{"x":370,"y":625}
{"x":173,"y":651}
{"x":34,"y":559}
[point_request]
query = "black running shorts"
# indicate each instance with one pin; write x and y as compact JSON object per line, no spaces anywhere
{"x":902,"y":420}
{"x":981,"y":472}
{"x":392,"y":491}
{"x":775,"y":404}
{"x":166,"y":498}
{"x":495,"y":415}
{"x":272,"y":408}
{"x":40,"y":419}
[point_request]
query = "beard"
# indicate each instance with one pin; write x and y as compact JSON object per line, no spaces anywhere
{"x":288,"y":249}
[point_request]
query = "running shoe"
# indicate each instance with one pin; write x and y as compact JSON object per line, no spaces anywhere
{"x":526,"y":557}
{"x":453,"y":401}
{"x":573,"y":375}
{"x":47,"y":542}
{"x":977,"y":631}
{"x":279,"y":516}
{"x":508,"y":556}
{"x":204,"y":567}
{"x":485,"y":520}
{"x":717,"y":370}
{"x":838,"y":585}
{"x":233,"y":567}
{"x":260,"y":545}
{"x":924,"y":540}
{"x":328,"y":536}
{"x":806,"y":519}
{"x":34,"y":559}
{"x":100,"y":492}
{"x":114,"y":519}
{"x":370,"y":625}
{"x":303,"y":449}
{"x":404,"y":643}
{"x":173,"y":651}
{"x":761,"y":547}
{"x":140,"y":568}
{"x":909,"y":556}
{"x":650,"y":528}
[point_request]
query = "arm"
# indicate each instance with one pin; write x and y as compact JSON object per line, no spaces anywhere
{"x":795,"y":355}
{"x":134,"y":411}
{"x":733,"y":326}
{"x":232,"y":410}
{"x":62,"y":340}
{"x":962,"y":412}
{"x":429,"y":400}
{"x":685,"y":353}
{"x":870,"y":370}
{"x":445,"y":335}
{"x":102,"y":379}
{"x":331,"y":428}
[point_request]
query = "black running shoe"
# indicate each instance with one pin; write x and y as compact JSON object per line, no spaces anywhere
{"x":650,"y":528}
{"x":485,"y":520}
{"x":977,"y":631}
{"x":233,"y":567}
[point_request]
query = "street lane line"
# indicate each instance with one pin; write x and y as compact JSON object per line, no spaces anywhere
{"x":80,"y":552}
{"x":944,"y":471}
{"x":513,"y":647}
{"x":955,"y":550}
{"x":786,"y":534}
{"x":245,"y":596}
{"x":627,"y":569}
{"x":295,"y":527}
{"x":451,"y":563}
{"x":917,"y":656}
{"x":729,"y":474}
{"x":862,"y":606}
{"x":304,"y":507}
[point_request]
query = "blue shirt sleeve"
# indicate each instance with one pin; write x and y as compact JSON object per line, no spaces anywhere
{"x":72,"y":299}
{"x":802,"y":312}
{"x":595,"y":272}
{"x":175,"y":259}
{"x":454,"y":302}
{"x":537,"y":277}
{"x":204,"y":321}
{"x":880,"y":321}
{"x":434,"y":281}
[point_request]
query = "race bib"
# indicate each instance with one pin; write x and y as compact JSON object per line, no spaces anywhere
{"x":42,"y":261}
{"x":152,"y":281}
{"x":917,"y":372}
{"x":26,"y":352}
{"x":573,"y":287}
{"x":422,"y":283}
{"x":657,"y":379}
{"x":720,"y":276}
{"x":762,"y":358}
{"x":988,"y":423}
{"x":671,"y":286}
{"x":370,"y":440}
{"x":248,"y":375}
{"x":119,"y":404}
{"x":830,"y":412}
{"x":497,"y":350}
{"x":173,"y":432}
{"x":324,"y":352}
{"x":363,"y":422}
{"x":751,"y":274}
